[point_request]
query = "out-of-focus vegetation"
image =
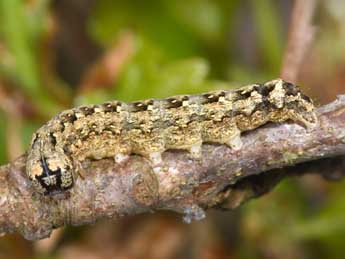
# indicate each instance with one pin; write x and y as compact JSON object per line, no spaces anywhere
{"x":58,"y":54}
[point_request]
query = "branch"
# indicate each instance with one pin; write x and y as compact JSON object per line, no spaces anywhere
{"x":223,"y":177}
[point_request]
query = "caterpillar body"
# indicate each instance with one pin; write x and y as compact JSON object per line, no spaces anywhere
{"x":150,"y":127}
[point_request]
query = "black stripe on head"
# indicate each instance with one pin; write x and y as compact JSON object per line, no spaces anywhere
{"x":55,"y":186}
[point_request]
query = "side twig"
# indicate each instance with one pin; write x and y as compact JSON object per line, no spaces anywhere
{"x":300,"y":36}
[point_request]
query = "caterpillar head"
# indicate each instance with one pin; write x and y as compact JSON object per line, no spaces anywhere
{"x":289,"y":97}
{"x":49,"y":169}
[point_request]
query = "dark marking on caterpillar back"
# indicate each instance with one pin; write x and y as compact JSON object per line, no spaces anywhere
{"x":67,"y":117}
{"x":175,"y":102}
{"x":86,"y":110}
{"x":110,"y":106}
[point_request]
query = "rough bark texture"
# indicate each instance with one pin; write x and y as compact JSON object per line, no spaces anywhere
{"x":223,"y":178}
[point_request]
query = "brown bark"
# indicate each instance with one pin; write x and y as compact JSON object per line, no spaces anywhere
{"x":301,"y":33}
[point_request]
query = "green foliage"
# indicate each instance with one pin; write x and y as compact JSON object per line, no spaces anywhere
{"x":21,"y":31}
{"x":17,"y":35}
{"x":327,"y":226}
{"x":150,"y":74}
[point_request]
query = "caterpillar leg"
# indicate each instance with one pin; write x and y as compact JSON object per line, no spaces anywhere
{"x":155,"y":158}
{"x":235,"y":142}
{"x":121,"y":158}
{"x":223,"y":132}
{"x":187,"y":137}
{"x":79,"y":170}
{"x":195,"y":151}
{"x":149,"y":144}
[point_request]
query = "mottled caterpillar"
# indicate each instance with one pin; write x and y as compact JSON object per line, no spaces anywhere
{"x":150,"y":127}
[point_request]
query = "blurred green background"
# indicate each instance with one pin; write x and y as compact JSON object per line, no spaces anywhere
{"x":58,"y":54}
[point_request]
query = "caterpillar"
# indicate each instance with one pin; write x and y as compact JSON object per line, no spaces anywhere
{"x":150,"y":127}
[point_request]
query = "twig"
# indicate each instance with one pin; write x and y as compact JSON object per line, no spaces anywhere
{"x":300,"y":36}
{"x":189,"y":186}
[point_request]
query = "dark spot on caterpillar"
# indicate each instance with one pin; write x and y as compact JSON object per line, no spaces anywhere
{"x":92,"y":133}
{"x":62,"y":126}
{"x":210,"y":98}
{"x":52,"y":138}
{"x":264,"y":106}
{"x":108,"y":129}
{"x":93,"y":129}
{"x":150,"y":102}
{"x":66,"y":149}
{"x":110,"y":106}
{"x":295,"y":105}
{"x":222,"y":94}
{"x":173,"y":103}
{"x":304,"y":97}
{"x":264,"y":90}
{"x":290,"y":89}
{"x":85,"y":137}
{"x":137,"y":106}
{"x":242,"y":95}
{"x":68,"y":117}
{"x":87,"y":110}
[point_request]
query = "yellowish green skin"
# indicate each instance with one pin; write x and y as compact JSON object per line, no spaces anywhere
{"x":150,"y":127}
